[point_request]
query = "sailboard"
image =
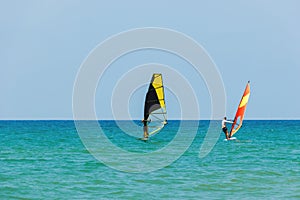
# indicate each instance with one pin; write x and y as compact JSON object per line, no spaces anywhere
{"x":240,"y":113}
{"x":155,"y":107}
{"x":232,"y":138}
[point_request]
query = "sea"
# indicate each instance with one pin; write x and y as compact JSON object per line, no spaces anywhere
{"x":51,"y":160}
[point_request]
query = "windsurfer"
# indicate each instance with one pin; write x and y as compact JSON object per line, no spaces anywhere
{"x":224,"y":128}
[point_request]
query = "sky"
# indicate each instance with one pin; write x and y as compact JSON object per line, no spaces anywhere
{"x":44,"y":43}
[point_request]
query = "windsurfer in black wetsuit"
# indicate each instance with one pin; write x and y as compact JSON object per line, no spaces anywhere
{"x":224,"y":128}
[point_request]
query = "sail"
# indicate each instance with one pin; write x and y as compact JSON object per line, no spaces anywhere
{"x":239,"y":116}
{"x":155,"y":107}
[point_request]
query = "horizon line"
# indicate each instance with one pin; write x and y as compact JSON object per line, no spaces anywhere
{"x":107,"y":119}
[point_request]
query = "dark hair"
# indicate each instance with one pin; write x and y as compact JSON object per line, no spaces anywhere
{"x":225,"y":118}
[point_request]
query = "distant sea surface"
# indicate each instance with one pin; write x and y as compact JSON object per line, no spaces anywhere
{"x":47,"y":160}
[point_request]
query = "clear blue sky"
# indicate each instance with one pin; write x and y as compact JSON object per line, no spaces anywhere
{"x":43,"y":44}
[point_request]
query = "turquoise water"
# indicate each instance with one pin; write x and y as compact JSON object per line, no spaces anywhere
{"x":47,"y":160}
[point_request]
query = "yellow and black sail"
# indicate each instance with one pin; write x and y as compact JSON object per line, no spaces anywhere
{"x":155,"y":107}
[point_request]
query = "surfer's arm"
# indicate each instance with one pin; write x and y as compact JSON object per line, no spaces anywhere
{"x":231,"y":122}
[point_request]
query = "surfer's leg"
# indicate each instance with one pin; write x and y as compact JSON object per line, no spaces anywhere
{"x":225,"y":132}
{"x":146,"y":132}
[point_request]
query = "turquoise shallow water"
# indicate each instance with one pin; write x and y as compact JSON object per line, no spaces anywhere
{"x":47,"y":160}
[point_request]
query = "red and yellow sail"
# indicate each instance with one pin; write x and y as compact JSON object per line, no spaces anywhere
{"x":239,"y":116}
